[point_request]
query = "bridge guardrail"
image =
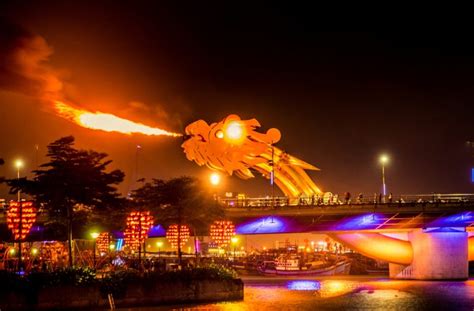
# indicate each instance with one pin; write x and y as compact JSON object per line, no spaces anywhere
{"x":335,"y":200}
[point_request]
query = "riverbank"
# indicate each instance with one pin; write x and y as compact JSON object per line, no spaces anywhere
{"x":76,"y":289}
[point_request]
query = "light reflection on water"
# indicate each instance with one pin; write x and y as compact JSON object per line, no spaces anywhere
{"x":350,"y":293}
{"x":303,"y":285}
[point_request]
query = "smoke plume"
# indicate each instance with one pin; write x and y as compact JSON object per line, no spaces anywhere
{"x":24,"y":64}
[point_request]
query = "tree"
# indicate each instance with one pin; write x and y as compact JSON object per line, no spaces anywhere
{"x":179,"y":201}
{"x":74,"y":184}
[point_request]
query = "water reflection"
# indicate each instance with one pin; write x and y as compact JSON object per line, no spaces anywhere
{"x":303,"y":285}
{"x":351,"y":293}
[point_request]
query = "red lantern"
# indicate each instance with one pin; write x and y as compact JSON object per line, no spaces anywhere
{"x":136,"y":232}
{"x":28,"y":218}
{"x":172,"y":235}
{"x":103,"y":242}
{"x":221,"y":232}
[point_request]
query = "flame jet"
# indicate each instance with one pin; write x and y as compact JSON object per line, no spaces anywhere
{"x":106,"y":122}
{"x":235,"y":147}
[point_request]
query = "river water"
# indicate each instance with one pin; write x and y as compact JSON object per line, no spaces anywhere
{"x":345,"y":293}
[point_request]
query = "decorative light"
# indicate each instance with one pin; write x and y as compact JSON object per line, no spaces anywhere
{"x":136,"y":232}
{"x":172,"y":235}
{"x":18,"y":164}
{"x":28,"y":218}
{"x":234,"y":131}
{"x":215,"y":179}
{"x":383,"y":158}
{"x":221,"y":232}
{"x":34,"y":251}
{"x":103,"y":242}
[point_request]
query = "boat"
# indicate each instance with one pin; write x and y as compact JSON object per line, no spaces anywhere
{"x":292,"y":265}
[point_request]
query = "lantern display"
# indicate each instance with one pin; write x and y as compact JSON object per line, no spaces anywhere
{"x":172,"y":235}
{"x":221,"y":232}
{"x":103,"y":242}
{"x":24,"y":213}
{"x":136,"y":232}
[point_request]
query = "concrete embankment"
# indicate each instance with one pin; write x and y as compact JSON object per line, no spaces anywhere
{"x":136,"y":294}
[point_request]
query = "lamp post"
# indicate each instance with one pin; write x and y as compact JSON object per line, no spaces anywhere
{"x":383,"y":161}
{"x":159,"y":244}
{"x":19,"y":165}
{"x":234,"y":241}
{"x":215,"y":180}
{"x":94,"y":235}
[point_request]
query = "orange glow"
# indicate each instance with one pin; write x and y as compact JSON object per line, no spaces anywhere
{"x":379,"y":246}
{"x":107,"y":122}
{"x":28,"y":218}
{"x":235,"y":132}
{"x":471,"y":248}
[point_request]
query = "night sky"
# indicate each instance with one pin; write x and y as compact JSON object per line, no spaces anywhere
{"x":340,"y":99}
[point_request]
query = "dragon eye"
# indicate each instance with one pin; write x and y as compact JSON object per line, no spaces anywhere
{"x":220,"y":134}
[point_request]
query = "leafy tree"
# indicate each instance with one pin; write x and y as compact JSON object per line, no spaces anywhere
{"x":179,"y":201}
{"x":73,"y":185}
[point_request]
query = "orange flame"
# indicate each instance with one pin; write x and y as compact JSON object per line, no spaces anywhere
{"x":107,"y":122}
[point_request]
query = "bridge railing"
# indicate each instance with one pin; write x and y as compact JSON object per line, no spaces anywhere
{"x":335,"y":200}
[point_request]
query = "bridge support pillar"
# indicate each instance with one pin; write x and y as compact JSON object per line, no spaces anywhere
{"x":437,"y":255}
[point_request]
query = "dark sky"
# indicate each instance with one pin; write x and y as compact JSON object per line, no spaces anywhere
{"x":340,"y":99}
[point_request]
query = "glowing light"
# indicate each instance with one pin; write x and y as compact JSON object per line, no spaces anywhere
{"x":159,"y":244}
{"x":19,"y":164}
{"x":172,"y":235}
{"x":234,"y":131}
{"x":268,"y":224}
{"x":303,"y":285}
{"x":220,"y":134}
{"x":222,"y":232}
{"x":95,"y":235}
{"x":12,"y":251}
{"x":379,"y":246}
{"x":107,"y":122}
{"x":383,"y":159}
{"x":34,"y":251}
{"x":360,"y":222}
{"x":234,"y":240}
{"x":103,"y":242}
{"x":136,"y":232}
{"x":112,"y":247}
{"x":215,"y":179}
{"x":28,"y":218}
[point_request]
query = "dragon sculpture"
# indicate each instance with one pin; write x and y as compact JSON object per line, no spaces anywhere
{"x":235,"y":147}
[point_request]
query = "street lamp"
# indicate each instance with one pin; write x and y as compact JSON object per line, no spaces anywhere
{"x":383,"y":160}
{"x":159,"y":244}
{"x":94,"y":235}
{"x":215,"y":179}
{"x":19,"y":164}
{"x":234,"y":241}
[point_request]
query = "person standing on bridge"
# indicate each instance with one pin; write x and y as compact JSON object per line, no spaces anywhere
{"x":347,"y":198}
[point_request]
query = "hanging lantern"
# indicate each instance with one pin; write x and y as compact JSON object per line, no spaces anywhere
{"x":136,"y":232}
{"x":172,"y":235}
{"x":221,"y":232}
{"x":103,"y":242}
{"x":26,"y":216}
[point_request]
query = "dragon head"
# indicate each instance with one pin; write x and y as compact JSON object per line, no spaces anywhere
{"x":231,"y":145}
